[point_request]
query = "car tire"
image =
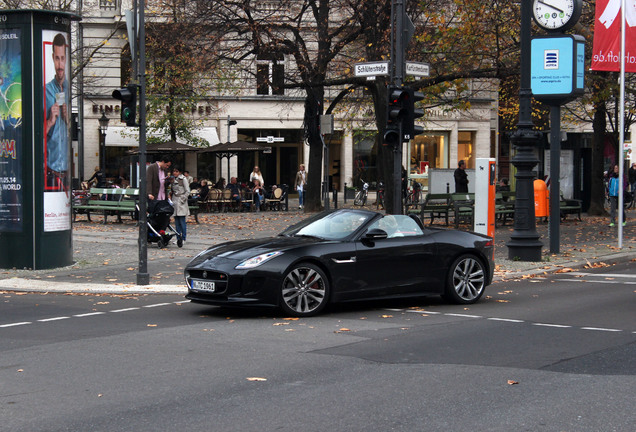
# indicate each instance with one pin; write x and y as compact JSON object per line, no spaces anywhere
{"x":304,"y":291}
{"x":466,"y":280}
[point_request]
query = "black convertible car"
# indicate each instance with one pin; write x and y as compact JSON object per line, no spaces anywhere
{"x":339,"y":256}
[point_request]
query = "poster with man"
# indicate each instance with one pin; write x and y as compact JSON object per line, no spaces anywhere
{"x":11,"y":199}
{"x":57,"y":123}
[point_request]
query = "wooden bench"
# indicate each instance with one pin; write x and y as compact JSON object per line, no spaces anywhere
{"x":108,"y":201}
{"x":569,"y":206}
{"x":463,"y":207}
{"x":436,"y":205}
{"x":504,"y":209}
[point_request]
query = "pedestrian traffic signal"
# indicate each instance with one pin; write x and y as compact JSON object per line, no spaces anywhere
{"x":409,"y":129}
{"x":128,"y":98}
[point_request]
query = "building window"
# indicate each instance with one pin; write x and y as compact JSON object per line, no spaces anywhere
{"x":108,"y":4}
{"x":364,"y":158}
{"x":465,"y":148}
{"x":270,"y":75}
{"x":428,"y":151}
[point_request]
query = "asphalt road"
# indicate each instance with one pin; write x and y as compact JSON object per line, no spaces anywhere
{"x":538,"y":354}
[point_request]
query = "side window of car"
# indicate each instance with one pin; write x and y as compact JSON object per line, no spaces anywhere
{"x":397,"y":226}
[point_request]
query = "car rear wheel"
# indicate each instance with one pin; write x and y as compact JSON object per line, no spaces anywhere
{"x":466,"y":280}
{"x":304,"y":291}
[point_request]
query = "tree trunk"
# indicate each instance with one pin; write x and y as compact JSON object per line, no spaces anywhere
{"x":597,"y":189}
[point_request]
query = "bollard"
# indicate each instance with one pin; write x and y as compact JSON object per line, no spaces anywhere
{"x":335,"y":198}
{"x":345,"y":193}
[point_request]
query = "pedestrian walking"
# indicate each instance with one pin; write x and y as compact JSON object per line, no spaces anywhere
{"x":631,"y":175}
{"x":614,"y":184}
{"x":461,"y":178}
{"x":180,"y":194}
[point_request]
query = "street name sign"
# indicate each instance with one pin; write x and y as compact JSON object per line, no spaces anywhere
{"x":371,"y":69}
{"x":417,"y":69}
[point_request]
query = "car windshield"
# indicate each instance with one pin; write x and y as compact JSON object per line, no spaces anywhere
{"x":330,"y":226}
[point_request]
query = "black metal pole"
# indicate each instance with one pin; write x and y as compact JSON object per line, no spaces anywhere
{"x":555,"y":173}
{"x":102,"y":150}
{"x":524,"y":244}
{"x":143,"y":278}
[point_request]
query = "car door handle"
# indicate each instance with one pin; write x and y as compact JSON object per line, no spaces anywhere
{"x":344,"y":261}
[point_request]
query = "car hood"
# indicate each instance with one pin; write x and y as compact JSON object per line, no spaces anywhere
{"x":243,"y":249}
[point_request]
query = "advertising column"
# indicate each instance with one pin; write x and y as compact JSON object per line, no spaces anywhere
{"x":35,"y":139}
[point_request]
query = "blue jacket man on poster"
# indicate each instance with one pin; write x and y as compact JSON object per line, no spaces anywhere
{"x":57,"y":118}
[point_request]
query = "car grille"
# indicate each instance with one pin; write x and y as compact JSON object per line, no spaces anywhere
{"x":209,"y":275}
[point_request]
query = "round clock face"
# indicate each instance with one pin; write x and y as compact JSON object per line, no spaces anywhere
{"x":556,"y":14}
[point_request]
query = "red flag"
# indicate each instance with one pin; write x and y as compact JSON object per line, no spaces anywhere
{"x":607,"y":36}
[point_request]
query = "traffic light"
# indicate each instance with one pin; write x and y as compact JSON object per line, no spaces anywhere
{"x":409,"y":129}
{"x":128,"y":98}
{"x":396,"y":112}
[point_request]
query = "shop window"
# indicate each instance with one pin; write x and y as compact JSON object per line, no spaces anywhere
{"x":465,"y":148}
{"x":428,"y":151}
{"x":364,"y":158}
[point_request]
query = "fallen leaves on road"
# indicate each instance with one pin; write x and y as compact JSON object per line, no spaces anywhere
{"x":512,"y":382}
{"x":256,"y":379}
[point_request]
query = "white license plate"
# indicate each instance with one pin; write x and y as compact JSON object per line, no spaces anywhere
{"x":203,"y":286}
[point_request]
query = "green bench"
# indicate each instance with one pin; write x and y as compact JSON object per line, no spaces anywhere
{"x":504,"y":207}
{"x":436,"y":205}
{"x":109,"y":201}
{"x":569,"y":206}
{"x":464,"y":208}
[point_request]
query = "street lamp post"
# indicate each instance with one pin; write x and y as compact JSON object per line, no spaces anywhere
{"x":524,"y":244}
{"x":103,"y":127}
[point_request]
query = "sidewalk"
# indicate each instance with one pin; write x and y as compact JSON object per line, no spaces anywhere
{"x":107,"y":256}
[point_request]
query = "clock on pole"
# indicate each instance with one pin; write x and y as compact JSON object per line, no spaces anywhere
{"x":556,"y":15}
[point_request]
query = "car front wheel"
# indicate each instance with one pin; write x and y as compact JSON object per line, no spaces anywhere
{"x":304,"y":291}
{"x":466,"y":280}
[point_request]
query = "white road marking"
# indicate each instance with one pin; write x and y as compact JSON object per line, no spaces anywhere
{"x":89,"y":314}
{"x":124,"y":310}
{"x":463,"y":315}
{"x":506,"y":320}
{"x":157,"y":305}
{"x":423,"y":312}
{"x":551,"y":325}
{"x":16,"y":324}
{"x":53,"y":319}
{"x":601,"y":329}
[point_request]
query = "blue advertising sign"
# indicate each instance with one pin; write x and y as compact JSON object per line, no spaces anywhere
{"x":557,"y":68}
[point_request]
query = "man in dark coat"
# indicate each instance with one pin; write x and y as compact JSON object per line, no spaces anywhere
{"x":461,"y":178}
{"x":155,"y":178}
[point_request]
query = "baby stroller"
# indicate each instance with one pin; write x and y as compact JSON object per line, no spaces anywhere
{"x":159,"y":229}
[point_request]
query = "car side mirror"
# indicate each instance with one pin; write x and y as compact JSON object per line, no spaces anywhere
{"x":375,"y":234}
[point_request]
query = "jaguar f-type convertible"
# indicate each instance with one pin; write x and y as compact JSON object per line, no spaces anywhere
{"x":340,"y":256}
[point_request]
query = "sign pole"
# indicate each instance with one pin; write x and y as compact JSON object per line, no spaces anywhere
{"x":555,"y":173}
{"x":143,"y":278}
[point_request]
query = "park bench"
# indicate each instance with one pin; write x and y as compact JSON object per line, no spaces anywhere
{"x":569,"y":206}
{"x":109,"y":201}
{"x":463,"y":207}
{"x":115,"y":201}
{"x":504,"y":208}
{"x":436,"y":205}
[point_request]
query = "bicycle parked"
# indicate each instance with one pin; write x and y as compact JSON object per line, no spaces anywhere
{"x":414,"y":196}
{"x":361,"y":196}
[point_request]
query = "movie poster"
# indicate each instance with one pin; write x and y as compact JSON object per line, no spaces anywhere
{"x":56,"y":68}
{"x":11,"y":204}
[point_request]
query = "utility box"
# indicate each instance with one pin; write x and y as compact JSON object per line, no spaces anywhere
{"x":485,"y":196}
{"x":35,"y":139}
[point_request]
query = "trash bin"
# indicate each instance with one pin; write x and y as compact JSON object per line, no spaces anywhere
{"x":541,"y":199}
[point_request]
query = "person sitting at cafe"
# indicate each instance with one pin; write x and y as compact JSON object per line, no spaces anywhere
{"x":195,"y":184}
{"x":219,"y":184}
{"x":234,"y":190}
{"x":204,"y":190}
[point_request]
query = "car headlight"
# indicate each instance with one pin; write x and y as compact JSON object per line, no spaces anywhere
{"x":257,"y":260}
